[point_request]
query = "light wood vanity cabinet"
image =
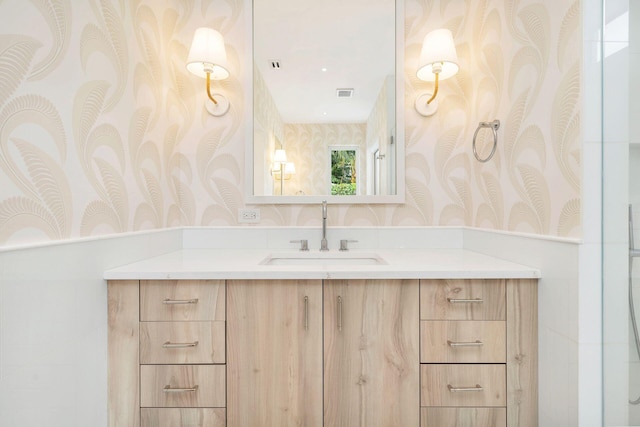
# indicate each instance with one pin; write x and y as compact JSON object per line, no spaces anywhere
{"x":275,"y":344}
{"x":275,"y":353}
{"x":371,"y":353}
{"x":335,"y":353}
{"x":167,"y":353}
{"x":478,"y":341}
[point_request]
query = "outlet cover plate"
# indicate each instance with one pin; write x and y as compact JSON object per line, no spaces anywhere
{"x":249,"y":216}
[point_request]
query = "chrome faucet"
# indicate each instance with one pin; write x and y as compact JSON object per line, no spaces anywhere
{"x":323,"y":242}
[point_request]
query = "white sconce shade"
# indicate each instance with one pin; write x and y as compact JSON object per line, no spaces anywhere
{"x":208,"y":58}
{"x":438,"y":61}
{"x":281,"y":169}
{"x":208,"y":53}
{"x":289,"y":168}
{"x":280,"y":156}
{"x":438,"y":50}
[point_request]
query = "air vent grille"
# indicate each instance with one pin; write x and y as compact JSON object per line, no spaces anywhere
{"x":344,"y":93}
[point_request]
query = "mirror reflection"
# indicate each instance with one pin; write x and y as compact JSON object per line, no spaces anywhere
{"x":324,"y":98}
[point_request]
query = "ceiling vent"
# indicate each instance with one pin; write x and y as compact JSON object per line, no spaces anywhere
{"x":275,"y":64}
{"x":345,"y":93}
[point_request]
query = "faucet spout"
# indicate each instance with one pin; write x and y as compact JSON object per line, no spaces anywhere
{"x":323,"y":243}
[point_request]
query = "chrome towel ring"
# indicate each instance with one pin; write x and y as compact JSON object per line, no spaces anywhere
{"x":494,"y":125}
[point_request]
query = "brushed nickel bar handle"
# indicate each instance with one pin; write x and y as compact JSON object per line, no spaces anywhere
{"x":306,"y":313}
{"x":340,"y":313}
{"x":476,"y":343}
{"x":170,"y":344}
{"x":465,"y":300}
{"x":168,"y":389}
{"x":453,"y":389}
{"x":180,"y":301}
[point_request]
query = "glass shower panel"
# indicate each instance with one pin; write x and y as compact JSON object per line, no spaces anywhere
{"x":621,"y":212}
{"x":634,"y":200}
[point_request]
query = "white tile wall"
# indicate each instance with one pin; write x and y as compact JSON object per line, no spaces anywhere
{"x":280,"y":238}
{"x":53,"y":327}
{"x":560,"y":373}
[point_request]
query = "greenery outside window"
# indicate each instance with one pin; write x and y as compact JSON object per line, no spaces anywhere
{"x":344,"y":177}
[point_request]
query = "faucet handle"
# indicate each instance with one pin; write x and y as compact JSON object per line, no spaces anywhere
{"x":344,"y":244}
{"x":304,"y":244}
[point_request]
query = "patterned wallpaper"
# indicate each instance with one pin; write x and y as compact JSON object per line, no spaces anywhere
{"x":102,"y":129}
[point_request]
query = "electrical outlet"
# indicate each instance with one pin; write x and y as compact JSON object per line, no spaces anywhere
{"x":249,"y":216}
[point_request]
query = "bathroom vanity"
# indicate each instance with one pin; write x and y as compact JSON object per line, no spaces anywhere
{"x":392,"y":338}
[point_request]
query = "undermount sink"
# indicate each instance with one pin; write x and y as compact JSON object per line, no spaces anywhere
{"x":323,"y":258}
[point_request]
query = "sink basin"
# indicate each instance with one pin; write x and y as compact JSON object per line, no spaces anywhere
{"x":323,"y":258}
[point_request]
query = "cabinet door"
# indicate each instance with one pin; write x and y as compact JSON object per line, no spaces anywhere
{"x":371,"y":361}
{"x":274,"y":360}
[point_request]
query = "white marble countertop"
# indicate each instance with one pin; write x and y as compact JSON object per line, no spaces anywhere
{"x":250,"y":264}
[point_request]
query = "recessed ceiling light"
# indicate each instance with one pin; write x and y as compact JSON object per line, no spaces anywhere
{"x":324,"y":69}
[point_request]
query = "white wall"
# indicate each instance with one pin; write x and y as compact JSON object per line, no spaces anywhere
{"x":558,"y":328}
{"x":53,"y":327}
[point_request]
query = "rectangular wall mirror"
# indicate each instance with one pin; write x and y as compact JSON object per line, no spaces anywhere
{"x":327,"y":102}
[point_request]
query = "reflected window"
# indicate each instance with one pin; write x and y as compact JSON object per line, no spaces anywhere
{"x":344,"y":171}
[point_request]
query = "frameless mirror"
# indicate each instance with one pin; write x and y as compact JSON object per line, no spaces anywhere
{"x":327,"y":95}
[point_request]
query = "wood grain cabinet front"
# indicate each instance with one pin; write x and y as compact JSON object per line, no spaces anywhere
{"x":478,"y":341}
{"x":182,"y":300}
{"x":276,"y":334}
{"x":461,"y":341}
{"x":371,"y":351}
{"x":275,"y":353}
{"x":182,"y":342}
{"x":463,"y":417}
{"x":167,"y":353}
{"x":314,"y":353}
{"x":183,"y":386}
{"x":183,"y":417}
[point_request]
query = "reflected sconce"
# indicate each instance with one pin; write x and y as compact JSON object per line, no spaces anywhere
{"x":282,"y":169}
{"x":289,"y":170}
{"x":208,"y":59}
{"x":438,"y":61}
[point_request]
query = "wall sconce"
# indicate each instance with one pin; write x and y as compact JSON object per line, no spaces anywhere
{"x":208,"y":58}
{"x":438,"y":61}
{"x":289,"y":170}
{"x":282,"y":169}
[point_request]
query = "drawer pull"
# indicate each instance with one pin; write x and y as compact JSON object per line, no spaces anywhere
{"x":170,"y":344}
{"x":453,"y":389}
{"x":180,"y":301}
{"x":168,"y":389}
{"x":306,"y":313}
{"x":476,"y":343}
{"x":465,"y":300}
{"x":339,"y":313}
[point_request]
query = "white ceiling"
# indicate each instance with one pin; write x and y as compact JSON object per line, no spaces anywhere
{"x":353,"y":39}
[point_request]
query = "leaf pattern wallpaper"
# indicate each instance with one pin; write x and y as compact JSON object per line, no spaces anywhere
{"x":103,"y":130}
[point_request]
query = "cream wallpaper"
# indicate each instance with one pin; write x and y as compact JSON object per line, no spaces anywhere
{"x":102,"y":129}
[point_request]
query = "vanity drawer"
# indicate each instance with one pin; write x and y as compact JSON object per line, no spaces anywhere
{"x":183,"y":300}
{"x":462,"y":341}
{"x":183,"y":417}
{"x":463,"y":417}
{"x":463,"y":385}
{"x":182,"y":342}
{"x":182,"y":386}
{"x":462,"y":299}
